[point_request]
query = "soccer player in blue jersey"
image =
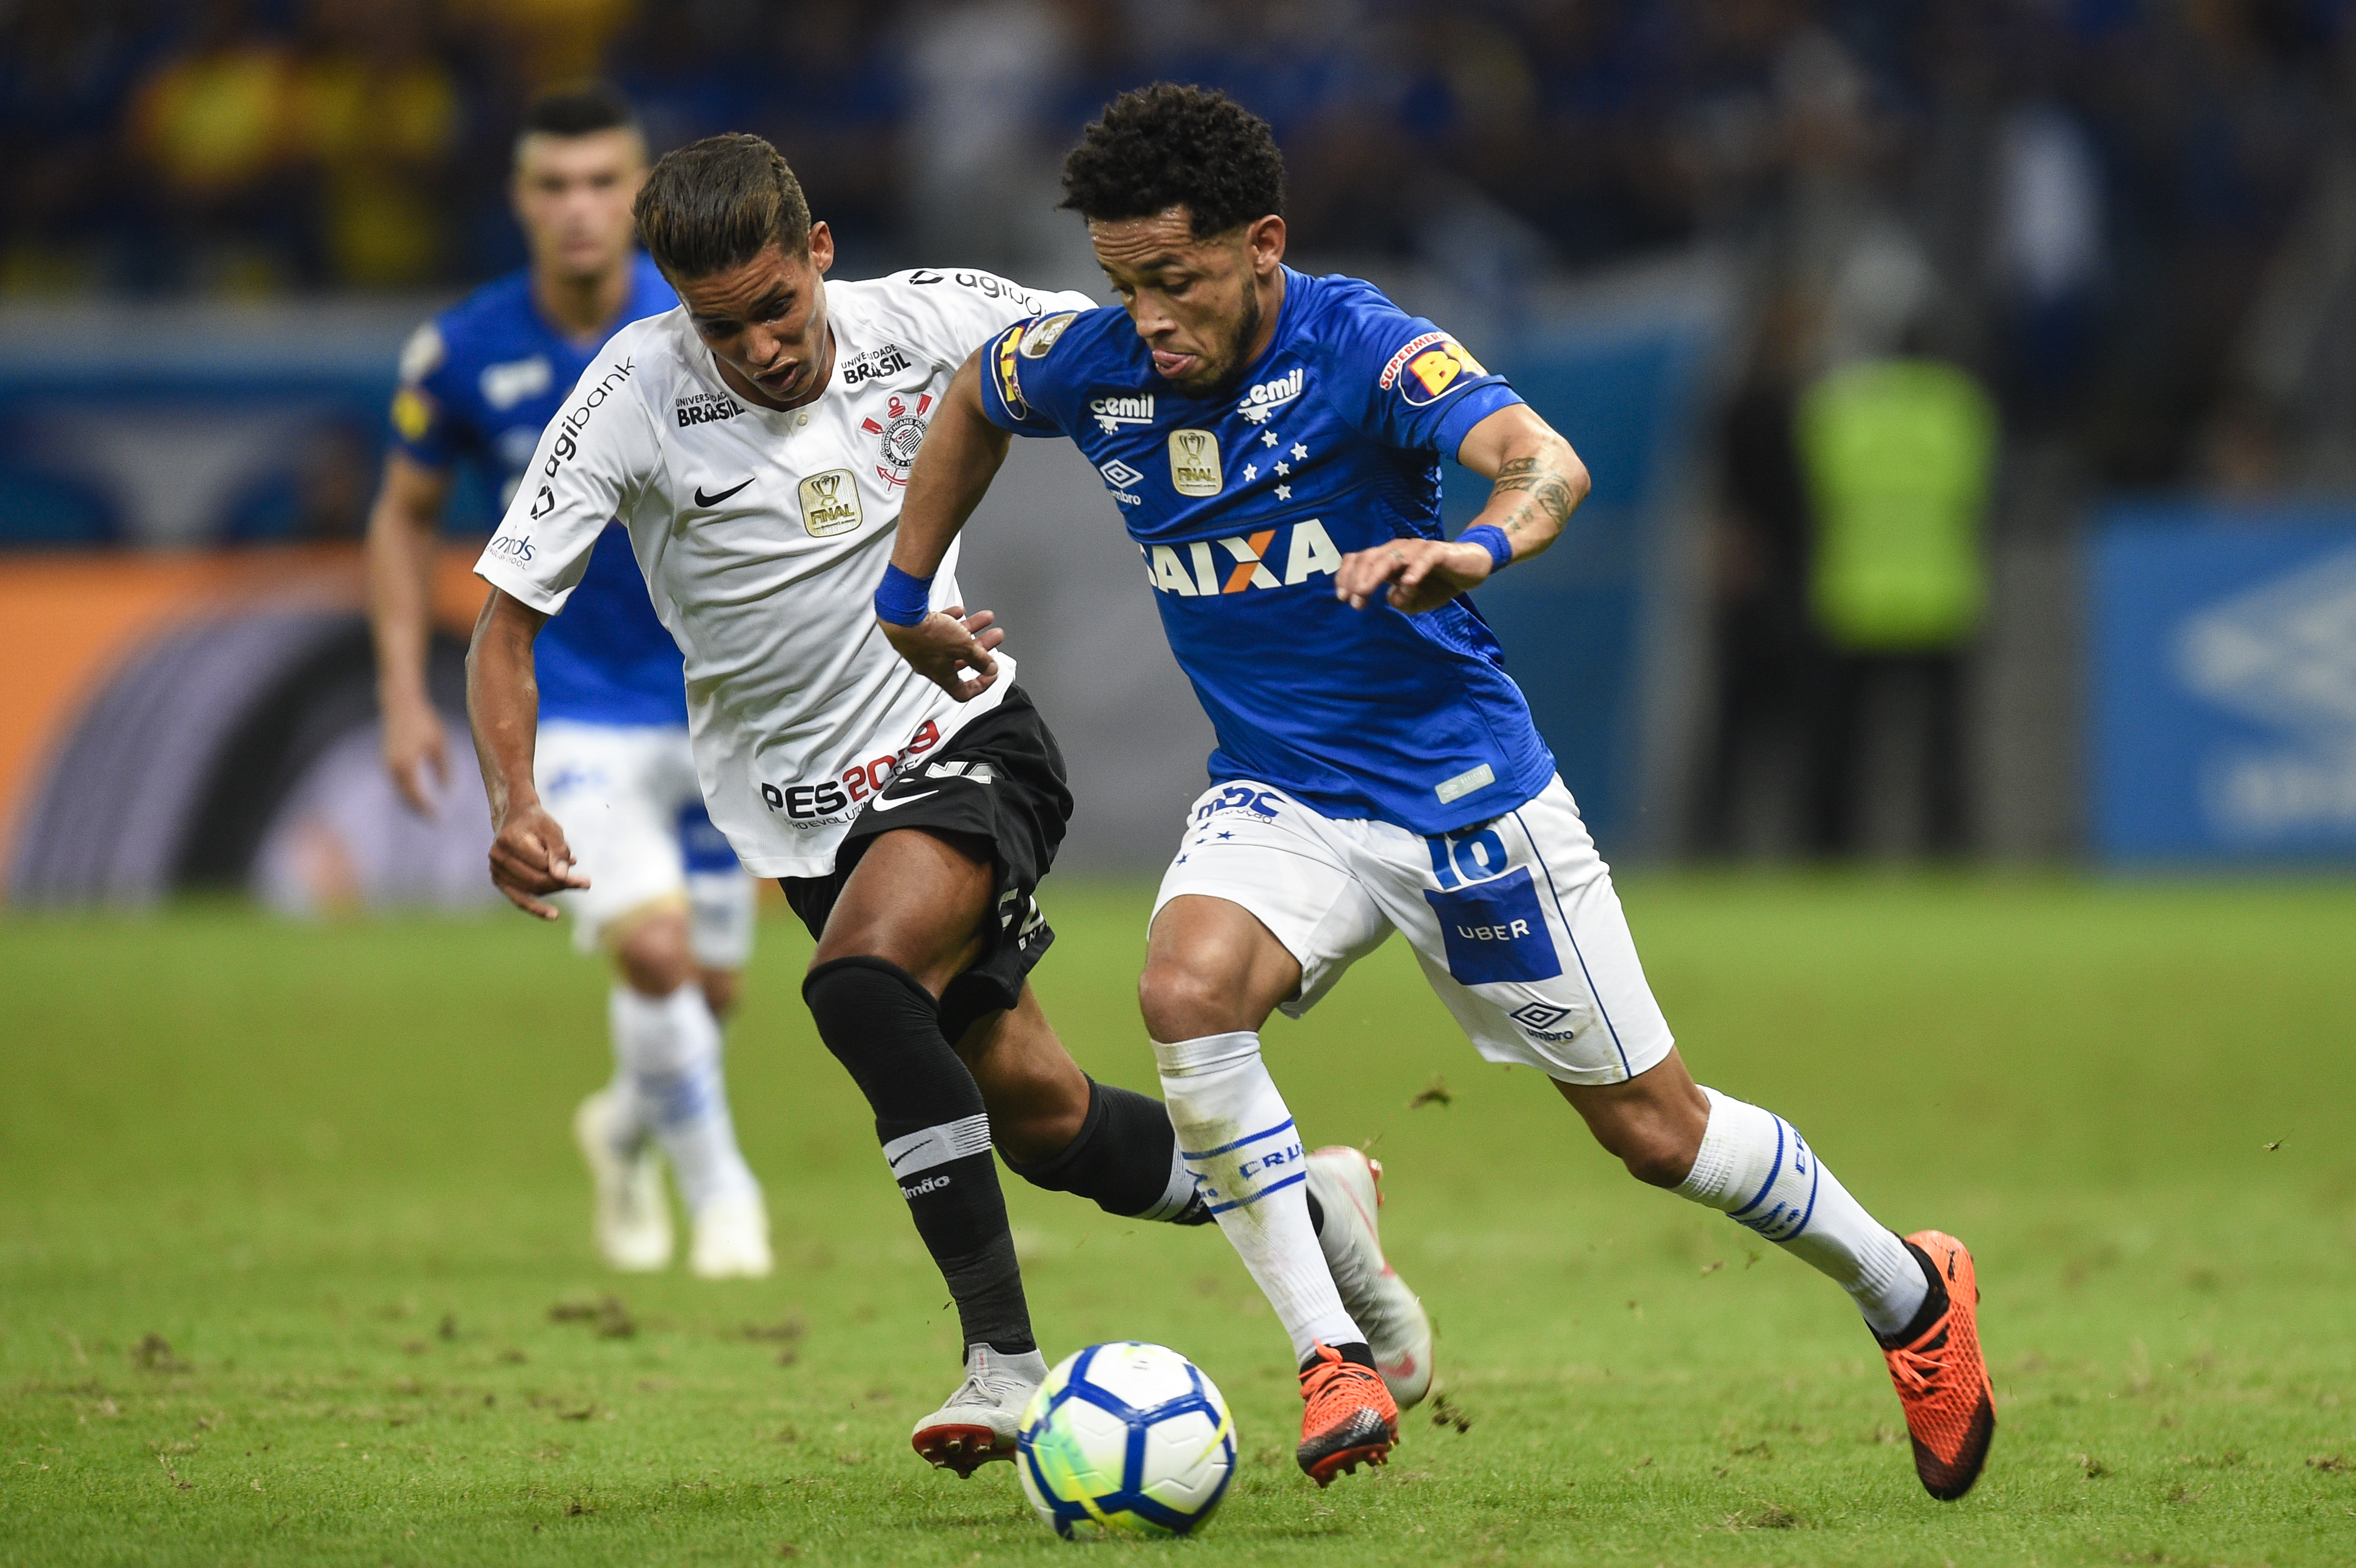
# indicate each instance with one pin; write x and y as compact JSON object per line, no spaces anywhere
{"x":665,"y":897}
{"x":1273,"y":442}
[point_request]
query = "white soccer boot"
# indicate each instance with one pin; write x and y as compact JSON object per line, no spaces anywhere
{"x":978,"y":1423}
{"x":732,"y":1238}
{"x":633,"y":1224}
{"x":1348,"y":1189}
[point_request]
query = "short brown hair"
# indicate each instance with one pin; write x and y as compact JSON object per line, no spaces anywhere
{"x":717,"y":203}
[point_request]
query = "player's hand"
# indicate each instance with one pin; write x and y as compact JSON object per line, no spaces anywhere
{"x":529,"y":857}
{"x":1423,"y":573}
{"x":951,"y":649}
{"x":415,"y":745}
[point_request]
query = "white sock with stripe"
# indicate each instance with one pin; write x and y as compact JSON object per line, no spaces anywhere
{"x":1239,"y":1141}
{"x":669,"y":1048}
{"x":1756,"y":1169}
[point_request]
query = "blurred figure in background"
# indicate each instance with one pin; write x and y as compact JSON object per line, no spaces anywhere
{"x":1762,"y":643}
{"x":667,"y":899}
{"x":1898,"y":456}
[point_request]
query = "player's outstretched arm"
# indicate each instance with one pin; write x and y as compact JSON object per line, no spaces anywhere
{"x":1539,"y":482}
{"x":529,"y":854}
{"x":403,"y":528}
{"x":960,"y":456}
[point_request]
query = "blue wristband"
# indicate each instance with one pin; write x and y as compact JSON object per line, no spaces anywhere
{"x":901,"y":599}
{"x":1491,"y":538}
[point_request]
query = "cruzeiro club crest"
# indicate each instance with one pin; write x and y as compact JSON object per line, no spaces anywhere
{"x":903,"y":430}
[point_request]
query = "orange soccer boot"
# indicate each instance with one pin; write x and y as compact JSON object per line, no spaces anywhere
{"x":1350,"y":1419}
{"x":1941,"y":1378}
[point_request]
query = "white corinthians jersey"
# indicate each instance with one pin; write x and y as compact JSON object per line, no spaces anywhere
{"x":763,"y":535}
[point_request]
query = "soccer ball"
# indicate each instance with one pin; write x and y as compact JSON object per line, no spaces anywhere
{"x":1126,"y":1439}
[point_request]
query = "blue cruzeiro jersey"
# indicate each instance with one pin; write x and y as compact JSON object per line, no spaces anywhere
{"x":479,"y":383}
{"x":1245,"y":503}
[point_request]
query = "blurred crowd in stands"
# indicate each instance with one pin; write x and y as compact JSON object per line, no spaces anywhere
{"x":2096,"y":190}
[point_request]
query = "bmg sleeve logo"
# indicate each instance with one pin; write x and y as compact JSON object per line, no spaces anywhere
{"x":1432,"y":364}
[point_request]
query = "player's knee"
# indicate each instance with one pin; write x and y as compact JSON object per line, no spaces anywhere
{"x":1181,"y":1002}
{"x":1657,"y":1160}
{"x":652,"y":954}
{"x":1657,"y":1151}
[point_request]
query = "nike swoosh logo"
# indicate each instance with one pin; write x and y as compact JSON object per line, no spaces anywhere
{"x":702,"y":499}
{"x":905,"y":1154}
{"x":881,"y":804}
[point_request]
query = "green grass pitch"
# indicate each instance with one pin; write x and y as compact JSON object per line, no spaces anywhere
{"x":284,"y":1212}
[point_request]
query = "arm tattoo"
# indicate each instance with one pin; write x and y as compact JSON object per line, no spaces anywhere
{"x":1549,"y":492}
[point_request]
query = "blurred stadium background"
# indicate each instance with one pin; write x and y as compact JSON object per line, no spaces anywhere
{"x":1971,"y":389}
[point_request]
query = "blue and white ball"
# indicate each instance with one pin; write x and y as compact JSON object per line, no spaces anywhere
{"x":1126,"y":1439}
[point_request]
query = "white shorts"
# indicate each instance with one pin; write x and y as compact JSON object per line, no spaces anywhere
{"x":1515,"y":920}
{"x":628,"y":800}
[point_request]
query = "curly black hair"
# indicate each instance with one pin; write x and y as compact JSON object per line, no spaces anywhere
{"x":1167,"y":145}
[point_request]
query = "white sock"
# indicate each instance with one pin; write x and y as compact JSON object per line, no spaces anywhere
{"x":1239,"y":1143}
{"x":668,"y":1049}
{"x":1756,"y":1169}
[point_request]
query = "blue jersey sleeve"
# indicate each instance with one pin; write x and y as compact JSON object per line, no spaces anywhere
{"x":1023,"y":386}
{"x":425,"y":424}
{"x":1410,"y":384}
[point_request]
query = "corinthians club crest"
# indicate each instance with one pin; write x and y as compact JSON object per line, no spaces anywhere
{"x":903,"y":431}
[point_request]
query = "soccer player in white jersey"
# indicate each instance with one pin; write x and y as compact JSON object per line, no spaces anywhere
{"x":1273,"y":441}
{"x":666,"y":900}
{"x":756,"y":443}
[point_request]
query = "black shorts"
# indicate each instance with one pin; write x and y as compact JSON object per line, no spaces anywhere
{"x":999,"y":779}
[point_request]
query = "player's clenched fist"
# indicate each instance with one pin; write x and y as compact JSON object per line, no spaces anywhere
{"x":951,"y":649}
{"x":1423,"y":573}
{"x":530,"y":856}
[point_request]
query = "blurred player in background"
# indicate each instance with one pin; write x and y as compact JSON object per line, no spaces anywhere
{"x":1273,"y":442}
{"x":663,"y":895}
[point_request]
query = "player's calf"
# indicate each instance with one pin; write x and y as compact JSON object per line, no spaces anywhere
{"x":1920,"y":1296}
{"x":1125,"y":1157}
{"x":668,"y":1048}
{"x":1754,"y":1167}
{"x":884,"y":1027}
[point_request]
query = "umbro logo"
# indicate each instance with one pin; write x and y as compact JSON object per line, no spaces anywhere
{"x":714,"y":500}
{"x":1123,"y":481}
{"x":1540,"y":1018}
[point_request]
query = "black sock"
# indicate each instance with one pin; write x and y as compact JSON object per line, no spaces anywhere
{"x":886,"y":1028}
{"x":1357,"y":1351}
{"x":1933,"y":1303}
{"x":1121,"y":1157}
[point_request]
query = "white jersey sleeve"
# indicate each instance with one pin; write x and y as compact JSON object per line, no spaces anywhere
{"x":592,"y":462}
{"x":946,"y":316}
